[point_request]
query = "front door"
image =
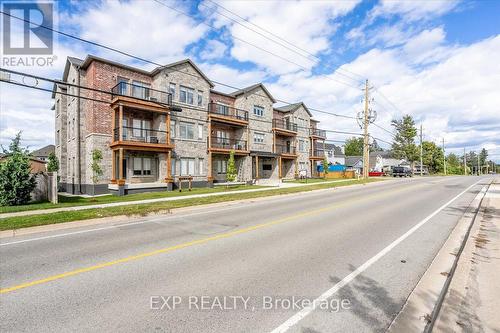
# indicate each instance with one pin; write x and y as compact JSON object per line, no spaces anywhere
{"x":124,"y":166}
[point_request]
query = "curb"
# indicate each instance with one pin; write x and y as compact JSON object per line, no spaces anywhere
{"x":423,"y":304}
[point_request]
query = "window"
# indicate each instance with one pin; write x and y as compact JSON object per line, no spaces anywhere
{"x":141,"y":128}
{"x":187,"y":166}
{"x":186,"y":95}
{"x":258,"y":137}
{"x":222,"y":109}
{"x":186,"y":130}
{"x":140,"y":90}
{"x":267,"y":167}
{"x":200,"y":98}
{"x":221,"y":166}
{"x":200,"y":166}
{"x":171,"y":89}
{"x":303,"y":166}
{"x":172,"y":129}
{"x":258,"y":110}
{"x":302,"y":146}
{"x":200,"y":132}
{"x":122,"y":85}
{"x":142,"y":166}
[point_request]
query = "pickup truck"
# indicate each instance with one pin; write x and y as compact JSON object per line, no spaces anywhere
{"x":401,"y":172}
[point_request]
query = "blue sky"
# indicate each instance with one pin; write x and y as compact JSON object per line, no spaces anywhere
{"x":434,"y":60}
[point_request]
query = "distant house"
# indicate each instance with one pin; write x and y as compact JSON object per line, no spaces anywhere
{"x":334,"y":154}
{"x":36,"y":164}
{"x":356,"y":162}
{"x":42,"y":154}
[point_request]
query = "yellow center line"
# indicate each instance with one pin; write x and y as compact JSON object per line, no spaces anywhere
{"x":202,"y":241}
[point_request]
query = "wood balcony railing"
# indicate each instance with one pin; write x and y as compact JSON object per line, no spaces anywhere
{"x":228,"y":144}
{"x":317,"y":132}
{"x":284,"y":125}
{"x":228,"y":112}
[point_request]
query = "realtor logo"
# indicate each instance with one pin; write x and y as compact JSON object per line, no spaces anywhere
{"x":23,"y":28}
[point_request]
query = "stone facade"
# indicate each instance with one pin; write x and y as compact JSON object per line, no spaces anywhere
{"x":84,"y":125}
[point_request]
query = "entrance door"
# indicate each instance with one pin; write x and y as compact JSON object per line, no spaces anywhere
{"x":124,"y":166}
{"x":288,"y":147}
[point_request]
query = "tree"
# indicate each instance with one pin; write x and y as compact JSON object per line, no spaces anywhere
{"x":454,"y":165}
{"x":97,"y":171}
{"x":16,"y":180}
{"x":354,"y":147}
{"x":432,"y":156}
{"x":231,"y":168}
{"x":53,"y":164}
{"x":325,"y":167}
{"x":483,"y":157}
{"x":404,"y":145}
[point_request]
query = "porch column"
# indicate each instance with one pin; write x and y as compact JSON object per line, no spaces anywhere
{"x":113,"y":165}
{"x":121,"y":179}
{"x":296,"y":173}
{"x":279,"y":166}
{"x":113,"y":126}
{"x":210,"y":175}
{"x":120,"y":126}
{"x":256,"y":167}
{"x":168,"y":177}
{"x":274,"y":142}
{"x":167,"y":129}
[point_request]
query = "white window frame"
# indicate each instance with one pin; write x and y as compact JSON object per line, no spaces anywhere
{"x":173,"y":131}
{"x":188,"y":95}
{"x":145,"y":166}
{"x":187,"y":166}
{"x":185,"y":126}
{"x":200,"y":132}
{"x":221,"y":166}
{"x":200,"y":98}
{"x":259,"y":137}
{"x":258,"y":110}
{"x":200,"y":166}
{"x":171,"y":89}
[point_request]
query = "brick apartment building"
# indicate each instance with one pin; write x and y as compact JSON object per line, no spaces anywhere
{"x":156,"y":126}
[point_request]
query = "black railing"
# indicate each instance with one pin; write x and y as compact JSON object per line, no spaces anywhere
{"x":285,"y":124}
{"x":226,"y":143}
{"x":228,"y":111}
{"x":317,"y":132}
{"x":318,"y":152}
{"x":136,"y":134}
{"x":142,"y":93}
{"x":286,"y":149}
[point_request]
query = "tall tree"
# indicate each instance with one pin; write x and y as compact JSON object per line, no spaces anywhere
{"x":403,"y":145}
{"x":354,"y":147}
{"x":16,"y":180}
{"x":432,"y":156}
{"x":483,"y":157}
{"x":231,"y":168}
{"x":53,"y":164}
{"x":95,"y":166}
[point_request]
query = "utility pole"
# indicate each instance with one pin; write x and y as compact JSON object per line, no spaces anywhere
{"x":421,"y":152}
{"x":444,"y":158}
{"x":465,"y":164}
{"x":478,"y":166}
{"x":366,"y":147}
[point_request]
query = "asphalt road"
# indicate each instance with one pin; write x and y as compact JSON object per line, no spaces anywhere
{"x":252,"y":267}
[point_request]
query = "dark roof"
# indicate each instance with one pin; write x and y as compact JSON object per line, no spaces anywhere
{"x":251,"y":88}
{"x":337,"y":150}
{"x":293,"y":107}
{"x":44,"y":151}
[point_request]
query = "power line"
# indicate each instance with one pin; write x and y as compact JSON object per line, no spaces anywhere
{"x":251,"y":44}
{"x":280,"y":38}
{"x":155,"y":63}
{"x":36,"y":77}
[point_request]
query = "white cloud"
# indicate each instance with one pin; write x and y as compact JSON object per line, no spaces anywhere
{"x":214,"y":49}
{"x":306,"y":24}
{"x":413,"y":10}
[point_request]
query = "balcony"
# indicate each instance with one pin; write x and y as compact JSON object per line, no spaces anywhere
{"x":284,"y":127}
{"x":226,"y":145}
{"x":140,"y":97}
{"x":317,"y":133}
{"x":134,"y":138}
{"x":286,"y":150}
{"x":317,"y":154}
{"x":228,"y":114}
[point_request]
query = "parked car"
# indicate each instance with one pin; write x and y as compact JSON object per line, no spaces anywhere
{"x":400,"y":171}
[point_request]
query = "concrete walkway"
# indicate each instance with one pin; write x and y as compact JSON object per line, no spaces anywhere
{"x":473,"y":298}
{"x":146,"y":201}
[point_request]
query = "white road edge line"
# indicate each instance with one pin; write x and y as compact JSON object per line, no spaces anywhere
{"x":330,"y":292}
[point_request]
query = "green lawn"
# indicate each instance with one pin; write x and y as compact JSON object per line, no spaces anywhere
{"x":159,"y":207}
{"x":65,"y":201}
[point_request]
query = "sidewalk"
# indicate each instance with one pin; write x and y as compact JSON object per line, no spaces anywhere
{"x":138,"y":202}
{"x":473,"y":300}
